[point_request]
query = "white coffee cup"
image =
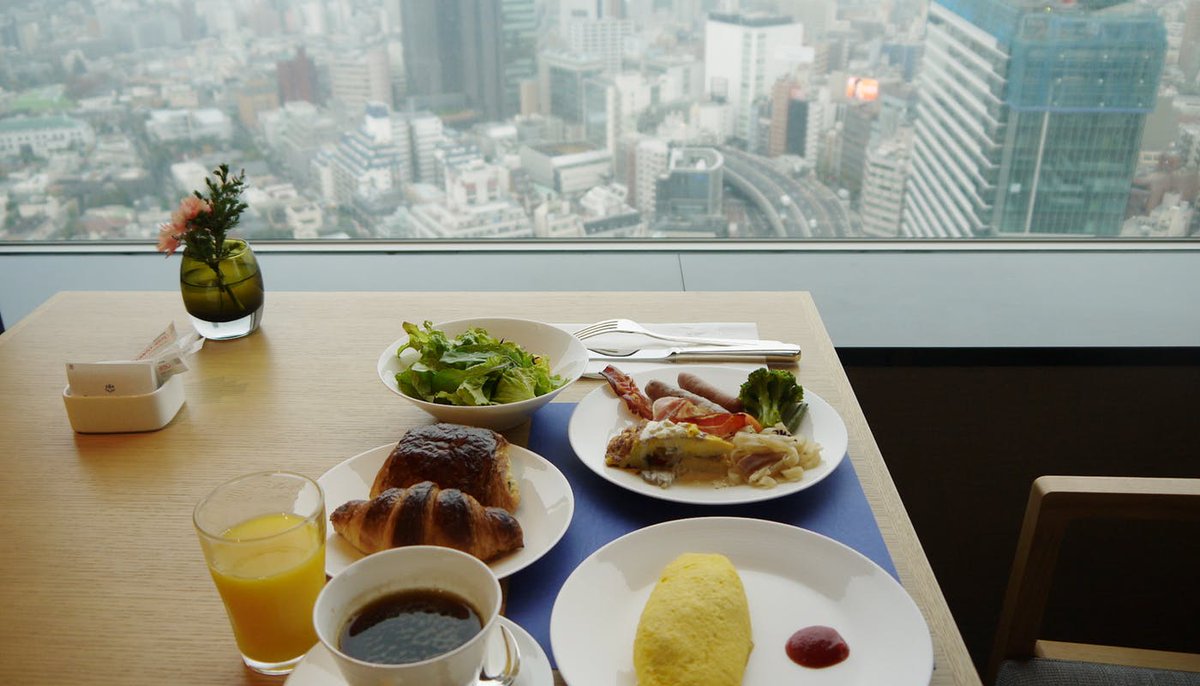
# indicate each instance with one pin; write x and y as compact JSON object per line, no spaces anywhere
{"x":417,"y":568}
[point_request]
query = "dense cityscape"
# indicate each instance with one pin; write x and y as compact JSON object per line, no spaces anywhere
{"x":604,"y":119}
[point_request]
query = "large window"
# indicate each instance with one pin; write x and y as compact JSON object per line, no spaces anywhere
{"x":578,"y":120}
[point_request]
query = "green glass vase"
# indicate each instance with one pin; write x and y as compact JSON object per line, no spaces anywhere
{"x":227,"y":302}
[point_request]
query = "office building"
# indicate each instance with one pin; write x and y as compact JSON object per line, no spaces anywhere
{"x":425,"y":131}
{"x":481,"y":49}
{"x":295,"y":133}
{"x":432,"y":41}
{"x":367,"y":164}
{"x":857,"y":127}
{"x":612,"y":105}
{"x":602,"y":38}
{"x":796,"y":121}
{"x":189,"y":125}
{"x":688,"y":196}
{"x":360,"y":77}
{"x":297,"y":78}
{"x":43,"y":135}
{"x":569,"y":169}
{"x":1030,"y":117}
{"x":744,"y":54}
{"x":1189,"y":44}
{"x":882,"y":199}
{"x":562,"y":77}
{"x":652,"y":158}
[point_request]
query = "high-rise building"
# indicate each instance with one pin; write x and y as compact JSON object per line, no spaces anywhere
{"x":499,"y":45}
{"x":484,"y":49}
{"x":690,"y":192}
{"x":796,"y":113}
{"x":1189,"y":45}
{"x":611,"y":106}
{"x":432,"y":40}
{"x":1030,"y":116}
{"x":744,"y":54}
{"x":602,"y":38}
{"x":562,"y":78}
{"x":856,"y":137}
{"x":367,"y":163}
{"x":297,"y":78}
{"x":652,"y":158}
{"x":882,"y":197}
{"x":360,"y":77}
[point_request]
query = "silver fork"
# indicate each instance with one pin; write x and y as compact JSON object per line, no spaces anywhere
{"x":629,"y":326}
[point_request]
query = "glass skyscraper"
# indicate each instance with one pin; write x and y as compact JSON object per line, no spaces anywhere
{"x":1030,"y":117}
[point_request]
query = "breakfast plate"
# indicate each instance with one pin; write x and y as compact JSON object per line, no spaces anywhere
{"x":601,"y":414}
{"x":547,"y":505}
{"x":319,"y":669}
{"x":794,"y":578}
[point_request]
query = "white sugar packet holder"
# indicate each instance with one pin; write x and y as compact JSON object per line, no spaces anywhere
{"x":122,"y":396}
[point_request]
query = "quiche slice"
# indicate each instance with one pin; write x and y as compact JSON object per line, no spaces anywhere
{"x":681,"y":448}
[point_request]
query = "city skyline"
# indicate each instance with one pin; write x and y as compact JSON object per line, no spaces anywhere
{"x":516,"y":119}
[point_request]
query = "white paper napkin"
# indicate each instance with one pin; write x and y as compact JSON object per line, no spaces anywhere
{"x":628,"y":341}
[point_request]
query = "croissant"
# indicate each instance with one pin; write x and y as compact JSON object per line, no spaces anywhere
{"x":425,"y":514}
{"x":471,"y":459}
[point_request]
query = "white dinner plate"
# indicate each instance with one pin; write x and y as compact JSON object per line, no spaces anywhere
{"x":601,"y":415}
{"x":794,"y":578}
{"x":318,"y":668}
{"x":547,"y":505}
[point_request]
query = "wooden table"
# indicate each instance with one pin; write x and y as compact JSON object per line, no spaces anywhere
{"x":103,"y":577}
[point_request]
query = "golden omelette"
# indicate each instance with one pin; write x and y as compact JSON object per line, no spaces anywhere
{"x":695,"y":628}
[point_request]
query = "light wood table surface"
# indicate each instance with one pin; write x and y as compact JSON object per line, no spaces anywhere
{"x":103,"y":579}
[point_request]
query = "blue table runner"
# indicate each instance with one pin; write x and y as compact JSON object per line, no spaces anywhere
{"x":836,"y":507}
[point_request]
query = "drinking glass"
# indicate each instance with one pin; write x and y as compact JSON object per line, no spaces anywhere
{"x":263,"y":537}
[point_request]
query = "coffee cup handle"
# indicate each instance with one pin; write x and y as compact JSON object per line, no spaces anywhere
{"x":512,"y":662}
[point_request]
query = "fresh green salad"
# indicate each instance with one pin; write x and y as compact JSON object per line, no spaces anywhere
{"x":472,"y":369}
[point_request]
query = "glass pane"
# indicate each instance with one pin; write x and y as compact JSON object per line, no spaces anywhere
{"x":576,"y":120}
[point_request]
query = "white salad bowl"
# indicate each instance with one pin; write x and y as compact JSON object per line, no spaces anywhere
{"x":567,"y":355}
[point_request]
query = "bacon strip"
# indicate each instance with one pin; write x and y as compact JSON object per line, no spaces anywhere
{"x":628,"y":391}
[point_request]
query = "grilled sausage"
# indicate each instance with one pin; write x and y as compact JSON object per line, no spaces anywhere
{"x":691,"y":382}
{"x":658,"y":389}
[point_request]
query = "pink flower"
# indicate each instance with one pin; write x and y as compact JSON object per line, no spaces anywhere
{"x":168,"y":240}
{"x":191,"y":206}
{"x":188,"y":209}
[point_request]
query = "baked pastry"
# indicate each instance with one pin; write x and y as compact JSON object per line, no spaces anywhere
{"x":473,"y":460}
{"x":695,"y":628}
{"x":425,"y":514}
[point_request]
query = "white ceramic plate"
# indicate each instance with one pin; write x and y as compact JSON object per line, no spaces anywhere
{"x":547,"y":505}
{"x":601,"y":414}
{"x":793,"y":578}
{"x":318,"y":668}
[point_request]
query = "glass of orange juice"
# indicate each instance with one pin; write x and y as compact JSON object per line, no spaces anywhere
{"x":263,"y":536}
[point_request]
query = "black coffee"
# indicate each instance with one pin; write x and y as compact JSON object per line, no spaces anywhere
{"x":409,"y":626}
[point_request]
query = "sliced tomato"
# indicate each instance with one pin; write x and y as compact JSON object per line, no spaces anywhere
{"x":628,"y":391}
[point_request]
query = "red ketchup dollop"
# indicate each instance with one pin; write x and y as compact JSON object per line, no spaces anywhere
{"x":817,"y":646}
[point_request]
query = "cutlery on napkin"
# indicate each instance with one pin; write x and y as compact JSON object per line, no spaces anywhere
{"x":767,"y":349}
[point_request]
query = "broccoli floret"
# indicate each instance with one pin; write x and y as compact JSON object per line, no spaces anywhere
{"x":772,"y":396}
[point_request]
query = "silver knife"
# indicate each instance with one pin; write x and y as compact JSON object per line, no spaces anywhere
{"x":771,"y":349}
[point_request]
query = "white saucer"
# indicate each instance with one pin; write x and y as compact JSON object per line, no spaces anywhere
{"x":318,"y":668}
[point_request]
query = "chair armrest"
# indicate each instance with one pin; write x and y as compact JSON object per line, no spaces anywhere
{"x":1055,"y":502}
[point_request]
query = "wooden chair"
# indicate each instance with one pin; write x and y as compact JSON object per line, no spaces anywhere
{"x":1019,"y":657}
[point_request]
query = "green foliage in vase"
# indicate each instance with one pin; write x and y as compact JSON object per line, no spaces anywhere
{"x":202,"y":221}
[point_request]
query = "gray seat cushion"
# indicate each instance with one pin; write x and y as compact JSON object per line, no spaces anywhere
{"x":1040,"y":672}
